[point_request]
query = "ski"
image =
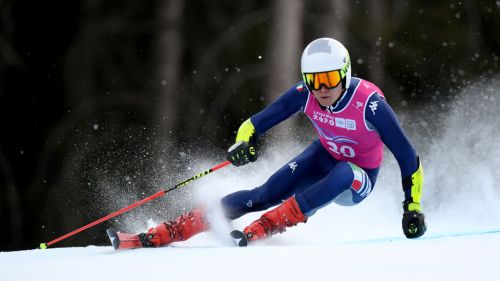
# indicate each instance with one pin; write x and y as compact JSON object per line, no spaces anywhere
{"x":240,"y":239}
{"x":121,"y":240}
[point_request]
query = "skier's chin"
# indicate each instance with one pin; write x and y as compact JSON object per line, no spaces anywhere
{"x":326,"y":102}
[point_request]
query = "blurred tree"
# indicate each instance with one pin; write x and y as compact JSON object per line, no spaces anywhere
{"x":169,"y":52}
{"x":283,"y":54}
{"x":377,"y":19}
{"x":284,"y":48}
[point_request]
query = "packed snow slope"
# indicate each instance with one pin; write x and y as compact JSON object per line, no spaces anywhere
{"x":473,"y":257}
{"x":457,"y":142}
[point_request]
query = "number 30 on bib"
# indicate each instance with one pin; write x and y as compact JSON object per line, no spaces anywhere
{"x":344,"y":150}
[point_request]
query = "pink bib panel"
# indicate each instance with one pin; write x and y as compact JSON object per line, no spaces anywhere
{"x":345,"y":134}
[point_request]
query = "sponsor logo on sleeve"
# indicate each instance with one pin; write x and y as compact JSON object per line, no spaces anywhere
{"x":373,"y":106}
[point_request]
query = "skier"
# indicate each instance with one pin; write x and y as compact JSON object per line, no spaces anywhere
{"x":353,"y":122}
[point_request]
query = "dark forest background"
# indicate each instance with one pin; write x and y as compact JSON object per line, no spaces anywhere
{"x":130,"y":93}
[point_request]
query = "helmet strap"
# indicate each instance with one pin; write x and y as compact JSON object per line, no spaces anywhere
{"x":344,"y":86}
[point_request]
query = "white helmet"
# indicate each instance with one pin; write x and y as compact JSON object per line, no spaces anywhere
{"x":324,"y":55}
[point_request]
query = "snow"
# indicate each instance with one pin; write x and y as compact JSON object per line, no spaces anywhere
{"x":473,"y":257}
{"x":363,"y":242}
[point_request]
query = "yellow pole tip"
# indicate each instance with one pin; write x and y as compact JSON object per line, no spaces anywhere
{"x":43,"y":246}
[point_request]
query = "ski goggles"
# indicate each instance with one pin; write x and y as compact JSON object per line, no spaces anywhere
{"x":329,"y":79}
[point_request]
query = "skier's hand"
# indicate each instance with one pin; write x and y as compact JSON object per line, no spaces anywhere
{"x":414,"y":224}
{"x":241,"y":153}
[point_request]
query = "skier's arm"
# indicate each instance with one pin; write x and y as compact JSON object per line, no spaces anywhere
{"x":381,"y":116}
{"x":286,"y":105}
{"x":243,"y":151}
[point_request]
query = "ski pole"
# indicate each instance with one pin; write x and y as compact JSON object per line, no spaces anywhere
{"x":136,"y":204}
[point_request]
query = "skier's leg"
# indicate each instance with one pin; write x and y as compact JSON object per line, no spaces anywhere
{"x":346,"y":184}
{"x":308,"y":167}
{"x":288,"y":179}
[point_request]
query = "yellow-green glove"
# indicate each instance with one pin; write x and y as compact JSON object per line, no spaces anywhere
{"x":243,"y":150}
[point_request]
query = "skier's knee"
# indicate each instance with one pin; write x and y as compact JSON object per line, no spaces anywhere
{"x":359,"y":188}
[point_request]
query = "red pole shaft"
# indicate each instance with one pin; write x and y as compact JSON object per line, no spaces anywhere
{"x":136,"y":204}
{"x":221,"y":165}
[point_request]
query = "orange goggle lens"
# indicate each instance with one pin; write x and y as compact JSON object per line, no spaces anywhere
{"x":330,"y":79}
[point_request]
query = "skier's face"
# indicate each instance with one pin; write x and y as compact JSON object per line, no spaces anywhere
{"x":326,"y":97}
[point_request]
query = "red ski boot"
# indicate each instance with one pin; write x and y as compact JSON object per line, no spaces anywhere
{"x":183,"y":228}
{"x":275,"y":221}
